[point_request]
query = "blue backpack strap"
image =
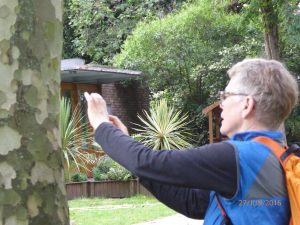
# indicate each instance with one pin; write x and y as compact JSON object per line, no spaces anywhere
{"x":226,"y":220}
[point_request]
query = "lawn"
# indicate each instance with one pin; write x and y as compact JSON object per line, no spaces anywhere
{"x":126,"y":211}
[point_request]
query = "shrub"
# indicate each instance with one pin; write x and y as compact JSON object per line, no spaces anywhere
{"x":104,"y":164}
{"x":98,"y":176}
{"x":79,"y":177}
{"x":118,"y":172}
{"x":73,"y":137}
{"x":292,"y":126}
{"x":108,"y":169}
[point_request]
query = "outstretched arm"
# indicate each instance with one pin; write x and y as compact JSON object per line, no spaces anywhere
{"x":211,"y":167}
{"x":187,"y":201}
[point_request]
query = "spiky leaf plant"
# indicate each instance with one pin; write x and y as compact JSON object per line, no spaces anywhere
{"x":164,"y":127}
{"x":75,"y":135}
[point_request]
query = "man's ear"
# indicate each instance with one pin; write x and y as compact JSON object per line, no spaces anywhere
{"x":248,"y":107}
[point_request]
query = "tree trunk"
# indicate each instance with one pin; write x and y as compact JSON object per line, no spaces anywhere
{"x":270,"y":21}
{"x":271,"y":36}
{"x":32,"y":189}
{"x":271,"y":43}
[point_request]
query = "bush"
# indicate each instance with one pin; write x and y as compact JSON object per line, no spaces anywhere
{"x":104,"y":164}
{"x":292,"y":126}
{"x":186,"y":55}
{"x":79,"y":177}
{"x":108,"y":169}
{"x":118,"y":172}
{"x":98,"y":176}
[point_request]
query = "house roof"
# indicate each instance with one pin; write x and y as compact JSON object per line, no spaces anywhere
{"x":76,"y":71}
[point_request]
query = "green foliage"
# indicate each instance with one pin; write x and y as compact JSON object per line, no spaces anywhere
{"x":164,"y":128}
{"x":99,"y":28}
{"x":79,"y":177}
{"x":102,"y":168}
{"x":68,"y":33}
{"x":292,"y":126}
{"x":286,"y":17}
{"x":118,"y":172}
{"x":108,"y":169}
{"x":290,"y":22}
{"x":99,"y":176}
{"x":104,"y":164}
{"x":183,"y":53}
{"x":186,"y":55}
{"x":72,"y":138}
{"x":266,"y":9}
{"x":171,"y":49}
{"x":289,"y":36}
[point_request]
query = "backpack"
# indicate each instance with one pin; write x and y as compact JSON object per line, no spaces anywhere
{"x":290,"y":160}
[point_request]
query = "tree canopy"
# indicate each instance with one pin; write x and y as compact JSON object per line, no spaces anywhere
{"x":95,"y":30}
{"x":184,"y":47}
{"x":186,"y":54}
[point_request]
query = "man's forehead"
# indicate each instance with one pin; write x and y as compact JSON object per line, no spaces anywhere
{"x":232,"y":85}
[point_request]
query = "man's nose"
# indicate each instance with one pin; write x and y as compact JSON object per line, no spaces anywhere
{"x":221,"y":104}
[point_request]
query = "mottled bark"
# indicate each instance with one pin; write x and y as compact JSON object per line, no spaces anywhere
{"x":32,"y":187}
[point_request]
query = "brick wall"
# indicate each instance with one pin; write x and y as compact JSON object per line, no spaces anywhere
{"x":126,"y":101}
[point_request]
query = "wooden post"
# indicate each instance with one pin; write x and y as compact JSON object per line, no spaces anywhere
{"x":210,"y":127}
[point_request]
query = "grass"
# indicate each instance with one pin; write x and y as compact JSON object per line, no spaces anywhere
{"x":126,"y":211}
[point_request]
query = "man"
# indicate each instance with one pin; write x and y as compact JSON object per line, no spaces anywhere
{"x":240,"y":177}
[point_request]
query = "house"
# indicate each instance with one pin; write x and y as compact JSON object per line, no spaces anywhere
{"x":124,"y":101}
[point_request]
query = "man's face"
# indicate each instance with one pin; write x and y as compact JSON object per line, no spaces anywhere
{"x":231,"y":109}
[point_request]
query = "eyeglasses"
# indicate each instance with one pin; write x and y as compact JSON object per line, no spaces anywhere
{"x":223,"y":95}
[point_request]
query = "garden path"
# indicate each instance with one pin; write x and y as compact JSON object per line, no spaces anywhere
{"x":176,"y":219}
{"x":105,"y":207}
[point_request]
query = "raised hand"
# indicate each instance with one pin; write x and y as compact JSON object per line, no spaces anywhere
{"x":97,"y":110}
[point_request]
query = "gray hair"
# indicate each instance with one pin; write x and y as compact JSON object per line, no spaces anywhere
{"x":273,"y":88}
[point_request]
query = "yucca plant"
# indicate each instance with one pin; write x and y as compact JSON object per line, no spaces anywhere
{"x":164,"y":127}
{"x":75,"y":135}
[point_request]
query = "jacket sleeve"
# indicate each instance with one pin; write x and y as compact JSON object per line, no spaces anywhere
{"x":211,"y":167}
{"x":187,"y":201}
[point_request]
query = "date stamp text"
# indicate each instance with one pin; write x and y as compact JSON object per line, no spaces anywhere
{"x":260,"y":202}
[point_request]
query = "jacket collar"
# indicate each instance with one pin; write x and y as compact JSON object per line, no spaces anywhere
{"x":249,"y":135}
